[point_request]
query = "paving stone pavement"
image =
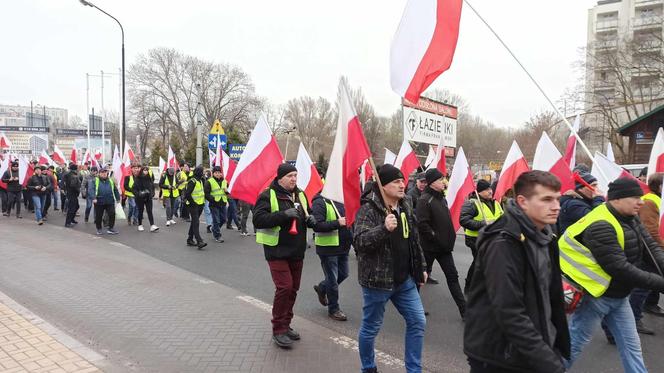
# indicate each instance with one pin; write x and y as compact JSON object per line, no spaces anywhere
{"x":146,"y":315}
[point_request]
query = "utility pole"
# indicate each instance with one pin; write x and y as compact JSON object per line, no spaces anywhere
{"x":103,"y":113}
{"x":87,"y":103}
{"x":199,"y":127}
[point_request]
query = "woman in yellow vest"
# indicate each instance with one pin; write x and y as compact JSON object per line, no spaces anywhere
{"x":215,"y":193}
{"x":170,"y":193}
{"x":194,"y":196}
{"x":649,"y":215}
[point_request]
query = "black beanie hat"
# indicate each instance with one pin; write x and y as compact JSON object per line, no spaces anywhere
{"x":388,"y":173}
{"x":482,"y":185}
{"x":285,"y":169}
{"x":421,"y":176}
{"x":432,"y":175}
{"x":624,"y":187}
{"x":199,"y":172}
{"x":216,"y":168}
{"x":588,"y":178}
{"x":73,"y":166}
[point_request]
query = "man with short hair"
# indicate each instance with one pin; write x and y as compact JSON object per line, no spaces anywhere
{"x":216,"y":195}
{"x":72,"y":185}
{"x":87,"y":191}
{"x":184,"y":175}
{"x":604,"y":254}
{"x":132,"y":211}
{"x":437,"y":234}
{"x":281,"y":217}
{"x":416,"y":191}
{"x":577,"y":203}
{"x":390,"y":265}
{"x":13,"y":189}
{"x":194,"y":196}
{"x":38,"y":185}
{"x":515,"y":316}
{"x":105,"y":195}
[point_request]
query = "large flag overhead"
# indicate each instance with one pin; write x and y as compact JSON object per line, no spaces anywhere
{"x":4,"y":141}
{"x":606,"y":171}
{"x":74,"y":155}
{"x":423,"y":46}
{"x":308,"y":178}
{"x":258,"y":164}
{"x":461,"y":185}
{"x":349,"y":152}
{"x":58,"y":155}
{"x":548,"y":158}
{"x":656,"y":163}
{"x":406,"y":160}
{"x":45,"y":159}
{"x":570,"y":150}
{"x":25,"y":170}
{"x":390,"y":157}
{"x":515,"y":164}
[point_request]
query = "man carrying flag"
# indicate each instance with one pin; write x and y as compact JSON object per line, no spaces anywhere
{"x":390,"y":265}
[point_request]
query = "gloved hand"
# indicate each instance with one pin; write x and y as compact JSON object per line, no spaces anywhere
{"x":292,"y":213}
{"x":311,"y":221}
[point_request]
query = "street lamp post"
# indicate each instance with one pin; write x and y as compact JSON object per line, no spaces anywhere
{"x":288,"y":132}
{"x":124,"y":123}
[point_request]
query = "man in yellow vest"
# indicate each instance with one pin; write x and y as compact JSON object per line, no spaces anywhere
{"x":183,"y":176}
{"x":649,"y":215}
{"x":333,"y":240}
{"x":170,"y":193}
{"x":604,"y":254}
{"x":132,"y":212}
{"x":281,"y":217}
{"x":194,"y":196}
{"x":216,"y":194}
{"x":475,"y":215}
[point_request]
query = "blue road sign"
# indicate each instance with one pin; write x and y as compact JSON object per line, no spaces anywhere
{"x":212,"y":141}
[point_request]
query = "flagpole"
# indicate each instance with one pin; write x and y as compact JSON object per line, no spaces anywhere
{"x":479,"y":201}
{"x":569,"y":125}
{"x":380,"y":185}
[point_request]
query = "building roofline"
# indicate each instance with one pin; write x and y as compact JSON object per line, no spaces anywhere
{"x":642,"y":117}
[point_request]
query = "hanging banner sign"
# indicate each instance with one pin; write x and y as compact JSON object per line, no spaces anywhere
{"x":428,"y":120}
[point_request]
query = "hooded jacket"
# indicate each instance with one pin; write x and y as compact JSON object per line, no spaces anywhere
{"x":373,"y":245}
{"x":506,"y":322}
{"x":290,"y":247}
{"x":435,"y":222}
{"x":573,"y":207}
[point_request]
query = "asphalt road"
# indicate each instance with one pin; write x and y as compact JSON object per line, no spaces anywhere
{"x":239,"y":264}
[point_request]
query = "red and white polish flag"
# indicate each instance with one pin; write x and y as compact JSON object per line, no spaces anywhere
{"x":570,"y":150}
{"x":406,"y":160}
{"x":390,"y":157}
{"x":25,"y":170}
{"x":439,"y":160}
{"x":515,"y":164}
{"x":460,"y":186}
{"x":366,"y":172}
{"x":431,"y":156}
{"x":227,"y":165}
{"x":548,"y":158}
{"x":212,"y":157}
{"x":308,"y":178}
{"x":162,"y":165}
{"x":171,"y":162}
{"x":58,"y":155}
{"x":4,"y":141}
{"x":606,"y":171}
{"x":609,"y":152}
{"x":73,"y":157}
{"x":4,"y":166}
{"x":656,"y":163}
{"x":661,"y":217}
{"x":424,"y":45}
{"x":45,"y":159}
{"x":258,"y":164}
{"x":128,"y":155}
{"x":349,"y":152}
{"x":118,"y":169}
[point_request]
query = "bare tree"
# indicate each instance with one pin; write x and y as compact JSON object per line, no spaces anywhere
{"x":314,"y":122}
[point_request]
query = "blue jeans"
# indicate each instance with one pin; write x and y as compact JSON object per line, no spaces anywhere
{"x":132,"y":211}
{"x":232,"y":214}
{"x":38,"y":204}
{"x":407,"y":301}
{"x":206,"y":212}
{"x":335,"y":268}
{"x":218,"y":219}
{"x":88,"y":206}
{"x":619,"y":318}
{"x":55,"y":196}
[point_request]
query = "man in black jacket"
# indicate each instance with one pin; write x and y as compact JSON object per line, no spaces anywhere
{"x":72,"y":182}
{"x":515,"y":317}
{"x":576,"y":203}
{"x":194,"y":196}
{"x":333,"y":240}
{"x":13,"y":189}
{"x":437,"y":233}
{"x":605,"y":253}
{"x":390,"y":265}
{"x":38,"y":185}
{"x":281,"y":217}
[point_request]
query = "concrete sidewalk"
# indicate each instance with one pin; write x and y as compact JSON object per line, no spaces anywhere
{"x":146,"y":315}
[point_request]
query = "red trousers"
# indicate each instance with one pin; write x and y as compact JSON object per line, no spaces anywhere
{"x":286,"y":277}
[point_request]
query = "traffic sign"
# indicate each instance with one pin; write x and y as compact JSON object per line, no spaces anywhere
{"x":217,"y":136}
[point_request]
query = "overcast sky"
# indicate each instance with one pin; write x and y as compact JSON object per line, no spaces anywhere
{"x":290,"y":48}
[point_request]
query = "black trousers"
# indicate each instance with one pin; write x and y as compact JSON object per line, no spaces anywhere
{"x":99,"y":215}
{"x":27,"y":200}
{"x":471,"y":243}
{"x":72,"y":207}
{"x":446,"y":262}
{"x":195,"y":214}
{"x":3,"y":199}
{"x":47,"y":204}
{"x":477,"y":366}
{"x":184,"y":209}
{"x":653,"y":298}
{"x":144,"y":204}
{"x":14,"y":198}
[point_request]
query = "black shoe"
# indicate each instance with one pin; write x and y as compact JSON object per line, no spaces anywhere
{"x":654,"y":310}
{"x":201,"y":245}
{"x":19,"y":216}
{"x":370,"y":370}
{"x":74,"y":222}
{"x":322,"y":297}
{"x":643,"y":329}
{"x":5,"y":214}
{"x":209,"y":229}
{"x":432,"y":281}
{"x":56,"y":209}
{"x":69,"y":225}
{"x":293,"y":335}
{"x":87,"y":220}
{"x":282,"y":340}
{"x":220,"y":240}
{"x":611,"y":340}
{"x":191,"y":242}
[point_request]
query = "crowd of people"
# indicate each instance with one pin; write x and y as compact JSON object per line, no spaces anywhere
{"x":535,"y":254}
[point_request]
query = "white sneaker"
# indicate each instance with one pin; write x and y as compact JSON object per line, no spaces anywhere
{"x":140,"y":228}
{"x":173,"y":222}
{"x":168,"y":223}
{"x":154,"y":228}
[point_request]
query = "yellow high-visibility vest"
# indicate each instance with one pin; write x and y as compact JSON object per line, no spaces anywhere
{"x":657,"y":200}
{"x":328,"y":238}
{"x":578,"y":262}
{"x":270,"y":236}
{"x":217,"y":191}
{"x":490,"y":216}
{"x":167,"y":192}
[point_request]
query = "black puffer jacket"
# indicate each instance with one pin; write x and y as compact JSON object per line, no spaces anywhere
{"x":435,"y":222}
{"x":467,"y":221}
{"x":290,"y":247}
{"x":372,"y":242}
{"x":624,"y":267}
{"x":144,"y":186}
{"x":505,"y":315}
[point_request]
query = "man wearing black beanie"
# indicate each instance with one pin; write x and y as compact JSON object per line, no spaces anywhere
{"x":281,"y":218}
{"x":604,"y":254}
{"x":475,"y":215}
